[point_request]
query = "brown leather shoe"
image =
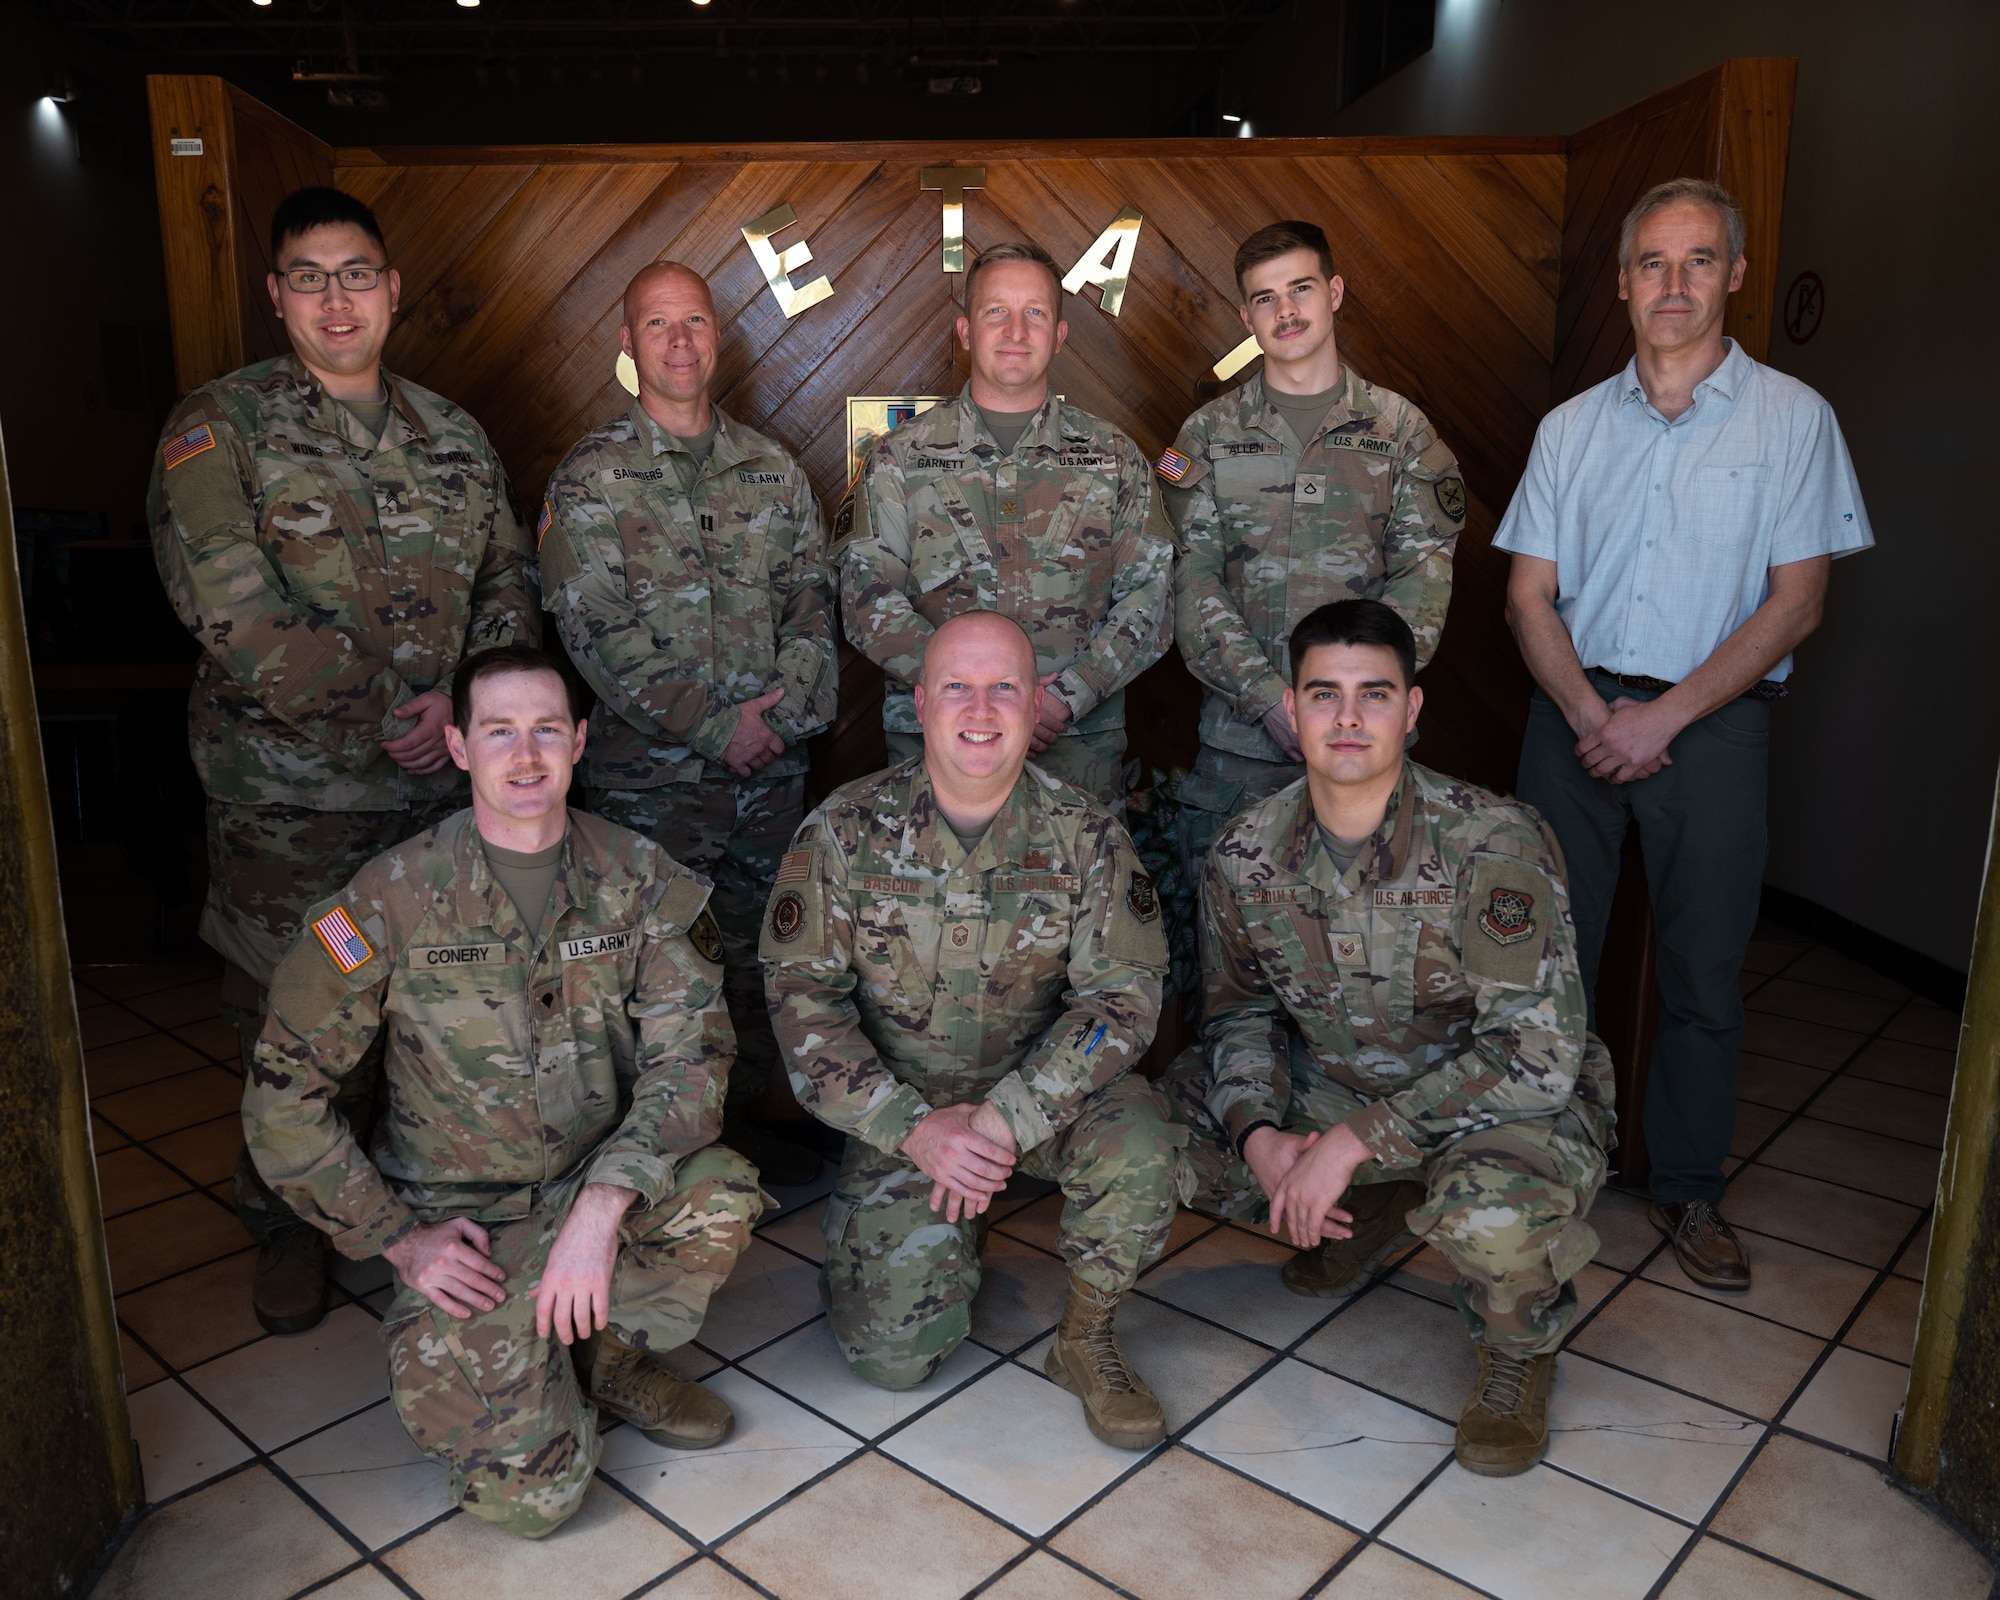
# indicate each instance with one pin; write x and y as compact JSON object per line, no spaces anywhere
{"x":1706,"y":1247}
{"x":1334,"y":1266}
{"x":288,"y":1292}
{"x":1504,"y":1428}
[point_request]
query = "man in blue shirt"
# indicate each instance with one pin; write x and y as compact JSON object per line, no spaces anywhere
{"x":1671,"y":539}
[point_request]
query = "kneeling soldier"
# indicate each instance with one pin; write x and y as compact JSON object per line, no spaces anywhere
{"x":545,"y":1180}
{"x":964,"y":959}
{"x":1393,"y":1015}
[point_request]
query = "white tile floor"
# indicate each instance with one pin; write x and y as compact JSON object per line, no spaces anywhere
{"x":1703,"y":1445}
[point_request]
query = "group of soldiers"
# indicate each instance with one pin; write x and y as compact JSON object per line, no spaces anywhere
{"x":518,"y":1048}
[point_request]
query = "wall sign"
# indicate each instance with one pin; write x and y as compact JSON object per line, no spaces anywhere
{"x":1805,"y":304}
{"x":869,"y":416}
{"x":778,"y":268}
{"x":952,"y":182}
{"x":1120,"y":242}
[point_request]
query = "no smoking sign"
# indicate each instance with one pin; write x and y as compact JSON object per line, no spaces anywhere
{"x":1805,"y":306}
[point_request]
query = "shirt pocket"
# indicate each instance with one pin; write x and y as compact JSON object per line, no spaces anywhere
{"x":309,"y":531}
{"x":895,"y":957}
{"x":1726,"y":505}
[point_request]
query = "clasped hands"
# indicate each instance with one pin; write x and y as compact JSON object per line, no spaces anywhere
{"x":1303,"y":1175}
{"x":450,"y":1263}
{"x":1630,"y":741}
{"x":968,"y":1153}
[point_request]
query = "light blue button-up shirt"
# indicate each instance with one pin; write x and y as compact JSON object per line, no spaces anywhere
{"x":1664,"y":533}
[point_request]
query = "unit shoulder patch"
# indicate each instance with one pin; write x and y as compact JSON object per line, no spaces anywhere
{"x":1451,"y":497}
{"x":1508,"y":913}
{"x":706,"y":937}
{"x":788,"y":915}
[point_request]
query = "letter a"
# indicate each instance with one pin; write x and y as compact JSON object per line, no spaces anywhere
{"x":1118,"y":241}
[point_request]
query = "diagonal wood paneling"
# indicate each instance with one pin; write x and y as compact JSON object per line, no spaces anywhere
{"x":1475,"y":269}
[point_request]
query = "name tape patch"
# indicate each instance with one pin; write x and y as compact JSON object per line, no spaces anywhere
{"x":342,"y":939}
{"x":1034,"y":883}
{"x":1298,"y":894}
{"x":632,"y":474}
{"x":1247,"y":447}
{"x":1389,"y":897}
{"x":878,"y":883}
{"x":760,"y":477}
{"x":1078,"y":459}
{"x":457,"y":955}
{"x":938,"y":463}
{"x":1367,"y":444}
{"x":597,"y":944}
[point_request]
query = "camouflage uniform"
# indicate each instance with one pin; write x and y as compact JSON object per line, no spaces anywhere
{"x":1060,"y":535}
{"x":1371,"y":509}
{"x":1428,"y":998}
{"x":905,"y":975}
{"x":681,"y":591}
{"x":517,"y":1071}
{"x":330,"y":578}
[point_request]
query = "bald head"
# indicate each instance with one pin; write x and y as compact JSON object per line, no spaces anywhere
{"x":997,"y":640}
{"x":670,"y":275}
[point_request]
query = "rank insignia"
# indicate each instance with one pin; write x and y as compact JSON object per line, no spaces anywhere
{"x":1508,"y":917}
{"x":788,"y":916}
{"x":342,"y":939}
{"x":1451,"y":498}
{"x":1173,"y":466}
{"x":705,"y":936}
{"x":1140,"y":898}
{"x":186,"y":447}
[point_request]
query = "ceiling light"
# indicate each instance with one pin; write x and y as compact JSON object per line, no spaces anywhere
{"x":1230,"y":116}
{"x":701,"y":2}
{"x":469,"y":4}
{"x":1243,"y":131}
{"x":260,"y":2}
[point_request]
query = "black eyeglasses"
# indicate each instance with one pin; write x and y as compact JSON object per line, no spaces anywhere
{"x":311,"y":280}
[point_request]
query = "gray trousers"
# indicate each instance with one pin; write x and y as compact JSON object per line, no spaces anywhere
{"x":1703,"y":835}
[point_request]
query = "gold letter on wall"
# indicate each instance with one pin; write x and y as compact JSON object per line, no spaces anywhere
{"x":954,"y":181}
{"x":1239,"y":358}
{"x":1122,"y":237}
{"x":779,"y":267}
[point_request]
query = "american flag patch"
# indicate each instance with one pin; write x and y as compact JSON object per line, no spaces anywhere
{"x":342,"y":939}
{"x":542,"y":527}
{"x":1173,"y":466}
{"x":191,"y":443}
{"x":796,"y":866}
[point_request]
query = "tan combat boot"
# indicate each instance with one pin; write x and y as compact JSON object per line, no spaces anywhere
{"x":1086,"y":1360}
{"x":1335,"y":1265}
{"x":671,"y":1411}
{"x":1504,"y":1429}
{"x":288,"y":1292}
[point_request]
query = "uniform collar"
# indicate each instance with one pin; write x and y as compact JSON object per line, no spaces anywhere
{"x":406,"y":422}
{"x":484,"y":903}
{"x":1016,"y":837}
{"x":732,"y":445}
{"x":1047,"y":431}
{"x":1351,"y":403}
{"x":1380,"y":859}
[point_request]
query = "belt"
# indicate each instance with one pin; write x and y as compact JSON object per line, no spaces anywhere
{"x":1762,"y":689}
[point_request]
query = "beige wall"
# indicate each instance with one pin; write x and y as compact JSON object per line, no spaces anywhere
{"x":1883,"y":761}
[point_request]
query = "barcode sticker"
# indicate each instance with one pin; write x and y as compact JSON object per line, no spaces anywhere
{"x":184,"y":147}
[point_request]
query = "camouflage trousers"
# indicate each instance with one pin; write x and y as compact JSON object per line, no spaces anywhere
{"x":1505,"y":1206}
{"x":1219,"y":788}
{"x":900,"y":1279}
{"x":502,"y":1407}
{"x":733,"y":831}
{"x":266,"y":866}
{"x":1091,"y":762}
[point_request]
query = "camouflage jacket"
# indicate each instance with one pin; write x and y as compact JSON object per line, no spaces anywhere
{"x":330,"y":577}
{"x":904,"y":974}
{"x":1372,"y":509}
{"x":1060,"y":535}
{"x":677,"y":605}
{"x":1436,"y":978}
{"x":597,"y":1053}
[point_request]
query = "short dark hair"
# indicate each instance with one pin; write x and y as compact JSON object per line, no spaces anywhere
{"x":1281,"y":239}
{"x":511,"y":658}
{"x":1014,"y":250}
{"x":305,"y":209}
{"x":1355,"y":622}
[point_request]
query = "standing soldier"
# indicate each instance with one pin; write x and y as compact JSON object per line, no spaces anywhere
{"x":1395,"y":1026}
{"x":1008,"y":500}
{"x":338,"y":539}
{"x":964,"y":961}
{"x":683,"y":560}
{"x":1305,"y":486}
{"x":546,"y":1184}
